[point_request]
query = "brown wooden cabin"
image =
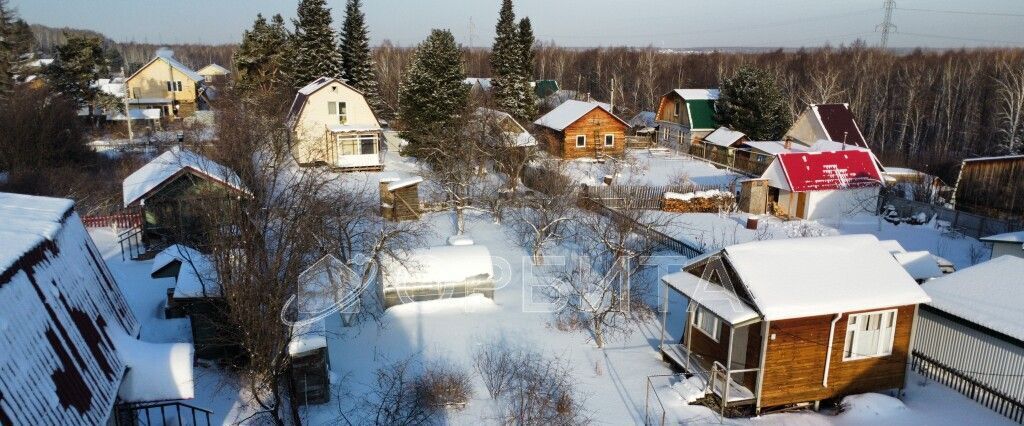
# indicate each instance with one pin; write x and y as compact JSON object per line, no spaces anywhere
{"x":685,"y":116}
{"x":578,"y":129}
{"x":795,"y":321}
{"x":990,"y":187}
{"x":400,"y":198}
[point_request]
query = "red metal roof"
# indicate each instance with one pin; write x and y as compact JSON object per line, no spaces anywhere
{"x":821,"y":171}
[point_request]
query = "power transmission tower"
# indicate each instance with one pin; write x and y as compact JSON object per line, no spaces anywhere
{"x":472,"y":32}
{"x":887,"y":26}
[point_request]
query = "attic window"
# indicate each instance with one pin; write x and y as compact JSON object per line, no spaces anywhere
{"x":677,"y":110}
{"x":338,"y":109}
{"x":869,"y":335}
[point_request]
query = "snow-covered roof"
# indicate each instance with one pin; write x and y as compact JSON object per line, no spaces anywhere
{"x":166,"y":166}
{"x":804,"y":277}
{"x":136,"y":114}
{"x":919,"y":264}
{"x":569,"y":112}
{"x":643,"y":119}
{"x":695,"y":94}
{"x":724,"y":136}
{"x":173,"y":253}
{"x":168,"y":57}
{"x":197,"y":278}
{"x":156,"y":371}
{"x":59,"y":305}
{"x":318,"y":84}
{"x":1009,"y":237}
{"x":521,"y":136}
{"x":1000,"y":158}
{"x":770,"y":147}
{"x":441,"y":264}
{"x":402,"y":183}
{"x":213,"y":69}
{"x":485,"y":83}
{"x":715,"y":298}
{"x":989,"y":294}
{"x":892,"y":246}
{"x":41,"y":63}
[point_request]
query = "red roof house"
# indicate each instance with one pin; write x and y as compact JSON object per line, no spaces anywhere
{"x":813,"y":185}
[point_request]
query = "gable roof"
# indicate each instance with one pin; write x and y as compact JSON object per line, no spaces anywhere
{"x":838,"y":122}
{"x":804,"y":277}
{"x":571,"y":111}
{"x":724,"y":136}
{"x":61,"y":307}
{"x":138,"y":185}
{"x":213,"y":69}
{"x":989,"y":294}
{"x":1009,"y":237}
{"x":828,"y":170}
{"x":522,"y":137}
{"x":483,"y":82}
{"x":697,"y":94}
{"x":644,"y":119}
{"x":545,"y":88}
{"x":194,"y":76}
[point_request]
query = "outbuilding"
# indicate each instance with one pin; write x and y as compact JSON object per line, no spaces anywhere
{"x":816,"y":185}
{"x":1008,"y":244}
{"x":794,"y":321}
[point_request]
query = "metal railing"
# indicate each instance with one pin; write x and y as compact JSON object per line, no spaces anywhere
{"x":131,"y":243}
{"x":145,"y":414}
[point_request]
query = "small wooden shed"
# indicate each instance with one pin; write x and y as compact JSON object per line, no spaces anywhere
{"x":400,"y":198}
{"x":793,"y":321}
{"x":981,"y":187}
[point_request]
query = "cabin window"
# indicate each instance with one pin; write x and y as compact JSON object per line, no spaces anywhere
{"x":173,"y":86}
{"x":609,"y":140}
{"x":678,"y":109}
{"x":707,"y":323}
{"x":339,"y":109}
{"x":869,"y":335}
{"x":581,"y":141}
{"x":367,"y":144}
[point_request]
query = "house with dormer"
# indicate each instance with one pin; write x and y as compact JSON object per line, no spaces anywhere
{"x":333,"y":125}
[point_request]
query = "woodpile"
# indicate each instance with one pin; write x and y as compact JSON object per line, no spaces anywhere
{"x":711,"y":201}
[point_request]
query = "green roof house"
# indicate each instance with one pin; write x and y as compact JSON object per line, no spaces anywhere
{"x":545,"y":88}
{"x":686,"y":116}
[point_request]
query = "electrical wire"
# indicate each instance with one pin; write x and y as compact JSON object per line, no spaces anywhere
{"x":963,"y":12}
{"x":960,"y":38}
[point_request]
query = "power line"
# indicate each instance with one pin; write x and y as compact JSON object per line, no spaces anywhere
{"x":886,"y":26}
{"x":982,"y":40}
{"x":963,"y":12}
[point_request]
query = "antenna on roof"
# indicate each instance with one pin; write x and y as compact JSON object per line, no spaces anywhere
{"x":845,"y":134}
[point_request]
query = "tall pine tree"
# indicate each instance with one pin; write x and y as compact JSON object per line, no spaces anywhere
{"x":433,"y":97}
{"x":263,"y":58}
{"x":80,"y":61}
{"x":357,"y":62}
{"x":511,"y":84}
{"x":315,"y":42}
{"x":15,"y":40}
{"x":527,"y":54}
{"x":751,"y":102}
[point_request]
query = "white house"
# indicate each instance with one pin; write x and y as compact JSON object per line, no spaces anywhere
{"x":815,"y":185}
{"x":334,"y":126}
{"x":1008,"y":244}
{"x":971,"y":336}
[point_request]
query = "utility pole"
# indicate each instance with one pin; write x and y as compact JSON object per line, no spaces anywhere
{"x":887,"y":26}
{"x":127,"y":110}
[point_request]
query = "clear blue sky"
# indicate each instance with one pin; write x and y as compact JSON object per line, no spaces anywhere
{"x":662,"y":23}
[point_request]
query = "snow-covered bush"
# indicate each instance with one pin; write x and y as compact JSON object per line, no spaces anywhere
{"x":443,"y":385}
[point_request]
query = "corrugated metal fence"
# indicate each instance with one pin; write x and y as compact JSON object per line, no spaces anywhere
{"x":969,"y":224}
{"x":981,"y":366}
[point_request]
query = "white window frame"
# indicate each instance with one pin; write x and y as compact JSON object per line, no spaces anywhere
{"x":578,"y":141}
{"x":700,"y":314}
{"x":340,"y":110}
{"x":609,"y":135}
{"x":886,"y":334}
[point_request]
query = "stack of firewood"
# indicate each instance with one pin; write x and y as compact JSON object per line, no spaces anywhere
{"x":697,"y":204}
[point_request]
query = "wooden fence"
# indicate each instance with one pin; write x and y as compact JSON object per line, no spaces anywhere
{"x":983,"y":394}
{"x":124,"y":219}
{"x":643,"y":230}
{"x":970,"y":224}
{"x":642,"y":197}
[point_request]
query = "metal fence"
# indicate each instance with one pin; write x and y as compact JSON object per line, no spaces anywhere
{"x":969,"y":224}
{"x":983,"y":394}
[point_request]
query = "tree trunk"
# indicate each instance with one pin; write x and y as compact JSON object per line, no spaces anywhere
{"x":460,"y":219}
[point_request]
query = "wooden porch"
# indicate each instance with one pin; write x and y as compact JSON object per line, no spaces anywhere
{"x":711,"y":372}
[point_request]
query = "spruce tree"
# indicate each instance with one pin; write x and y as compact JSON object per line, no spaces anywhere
{"x":15,"y":40}
{"x":432,"y":97}
{"x":79,"y":62}
{"x":511,"y":84}
{"x":357,"y":62}
{"x":316,"y":45}
{"x":263,"y":57}
{"x":751,"y":102}
{"x":526,"y":42}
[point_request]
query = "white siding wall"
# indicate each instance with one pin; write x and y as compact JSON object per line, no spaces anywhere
{"x":1007,"y":249}
{"x":311,"y":130}
{"x":838,"y":203}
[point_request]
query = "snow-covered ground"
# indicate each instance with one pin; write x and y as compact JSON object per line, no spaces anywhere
{"x":613,"y":380}
{"x":654,"y":167}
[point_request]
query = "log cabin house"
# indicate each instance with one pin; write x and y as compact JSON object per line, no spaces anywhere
{"x":814,"y":185}
{"x":334,"y":126}
{"x":685,"y":116}
{"x":794,"y":321}
{"x":970,"y":338}
{"x":173,"y":190}
{"x":70,"y":348}
{"x":577,"y":129}
{"x":981,"y":187}
{"x":832,"y":122}
{"x":168,"y":85}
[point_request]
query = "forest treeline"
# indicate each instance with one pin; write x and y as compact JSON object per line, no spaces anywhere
{"x":926,"y":109}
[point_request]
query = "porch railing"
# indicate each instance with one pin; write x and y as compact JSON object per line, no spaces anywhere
{"x":161,"y":414}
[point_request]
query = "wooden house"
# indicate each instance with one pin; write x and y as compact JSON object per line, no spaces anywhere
{"x":970,"y":336}
{"x":70,"y":353}
{"x":545,"y":88}
{"x":832,"y":122}
{"x":441,"y":272}
{"x":577,"y":129}
{"x":723,"y":143}
{"x":168,"y":85}
{"x":981,"y":187}
{"x":814,"y":185}
{"x":214,"y":74}
{"x":400,"y":198}
{"x":794,"y":321}
{"x":174,"y":190}
{"x":334,"y":126}
{"x":1006,"y":244}
{"x":685,"y":116}
{"x":501,"y":129}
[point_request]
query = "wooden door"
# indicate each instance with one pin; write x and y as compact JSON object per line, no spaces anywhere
{"x":801,"y":205}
